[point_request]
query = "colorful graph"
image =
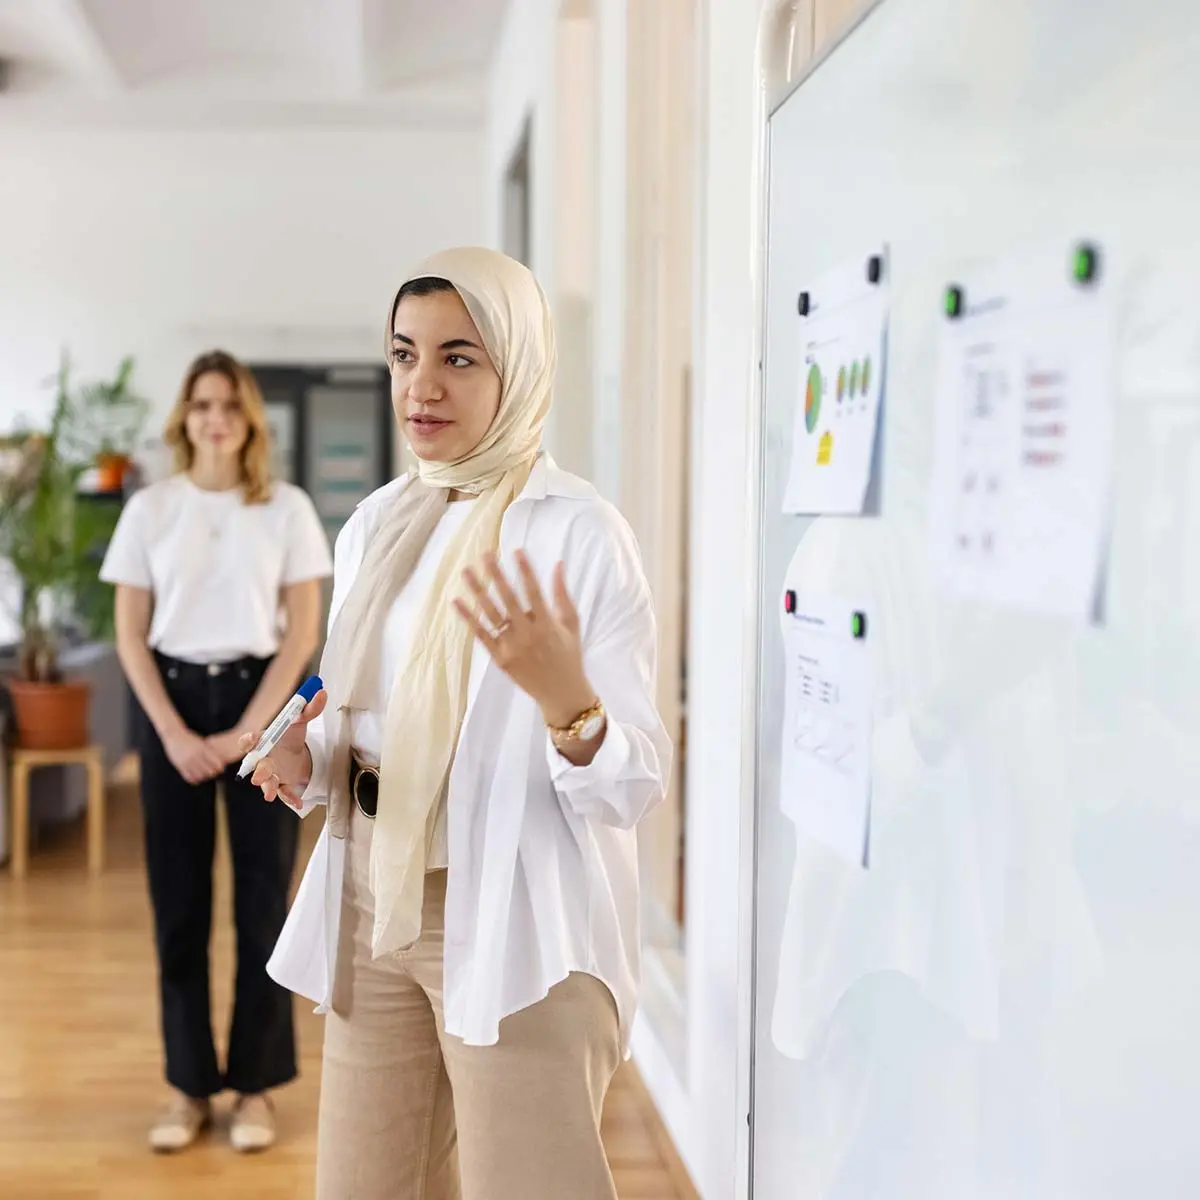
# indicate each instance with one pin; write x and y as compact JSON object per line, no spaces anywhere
{"x":854,"y":378}
{"x":866,"y":376}
{"x":841,"y":386}
{"x":812,"y":398}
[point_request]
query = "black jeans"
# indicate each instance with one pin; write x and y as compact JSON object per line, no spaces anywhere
{"x":180,"y":829}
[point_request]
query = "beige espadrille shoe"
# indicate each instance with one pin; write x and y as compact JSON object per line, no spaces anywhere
{"x":179,"y":1124}
{"x":253,"y":1125}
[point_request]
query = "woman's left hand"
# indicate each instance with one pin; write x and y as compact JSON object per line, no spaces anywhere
{"x":539,"y":648}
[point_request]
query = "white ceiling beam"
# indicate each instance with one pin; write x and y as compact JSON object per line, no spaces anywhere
{"x":344,"y":43}
{"x":79,"y":45}
{"x":372,"y":56}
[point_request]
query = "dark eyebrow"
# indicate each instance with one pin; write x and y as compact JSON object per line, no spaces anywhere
{"x":453,"y":344}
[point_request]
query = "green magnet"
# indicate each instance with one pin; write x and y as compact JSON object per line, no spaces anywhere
{"x":1086,"y":264}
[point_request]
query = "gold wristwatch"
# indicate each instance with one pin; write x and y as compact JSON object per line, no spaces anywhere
{"x":584,"y":728}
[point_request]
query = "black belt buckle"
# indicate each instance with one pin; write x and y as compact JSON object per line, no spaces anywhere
{"x":364,"y":787}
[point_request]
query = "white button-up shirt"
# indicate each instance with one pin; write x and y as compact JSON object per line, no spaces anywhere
{"x":543,"y":854}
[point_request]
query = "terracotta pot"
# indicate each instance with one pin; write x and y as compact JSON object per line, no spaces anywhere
{"x":51,"y":716}
{"x":110,"y":471}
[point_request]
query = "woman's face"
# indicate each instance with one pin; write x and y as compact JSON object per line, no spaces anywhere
{"x":216,"y":425}
{"x":445,"y":391}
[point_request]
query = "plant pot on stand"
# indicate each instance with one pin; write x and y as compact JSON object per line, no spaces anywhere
{"x":50,"y":716}
{"x":50,"y":713}
{"x":51,"y":540}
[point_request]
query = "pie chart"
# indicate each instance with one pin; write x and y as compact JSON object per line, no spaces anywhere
{"x":812,"y":398}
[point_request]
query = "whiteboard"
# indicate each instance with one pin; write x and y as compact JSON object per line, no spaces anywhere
{"x":1007,"y":1003}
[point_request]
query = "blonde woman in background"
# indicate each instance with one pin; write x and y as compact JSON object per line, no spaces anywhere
{"x":217,"y":571}
{"x":486,"y":746}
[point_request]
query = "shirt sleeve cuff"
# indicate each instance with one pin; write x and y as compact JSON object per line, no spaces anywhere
{"x":604,"y":768}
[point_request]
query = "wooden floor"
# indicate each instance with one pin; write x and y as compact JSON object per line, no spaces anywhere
{"x":80,"y":1070}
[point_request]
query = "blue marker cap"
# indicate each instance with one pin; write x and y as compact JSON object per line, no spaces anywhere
{"x":310,"y":687}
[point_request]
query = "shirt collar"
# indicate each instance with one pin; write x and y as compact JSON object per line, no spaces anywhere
{"x":548,"y":479}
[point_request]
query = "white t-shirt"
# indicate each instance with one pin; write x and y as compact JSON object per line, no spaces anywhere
{"x":366,"y":725}
{"x":216,"y":565}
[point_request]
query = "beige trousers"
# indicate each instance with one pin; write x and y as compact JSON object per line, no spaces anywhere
{"x":409,"y":1112}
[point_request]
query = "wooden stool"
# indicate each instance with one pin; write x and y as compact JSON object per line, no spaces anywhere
{"x":23,"y":761}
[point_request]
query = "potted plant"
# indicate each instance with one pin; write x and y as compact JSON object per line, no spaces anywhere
{"x":105,"y":420}
{"x":54,"y":540}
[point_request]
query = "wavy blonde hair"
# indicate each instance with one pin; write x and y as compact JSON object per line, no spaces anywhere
{"x":256,"y":453}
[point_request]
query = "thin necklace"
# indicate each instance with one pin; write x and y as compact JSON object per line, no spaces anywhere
{"x":214,"y":523}
{"x":214,"y":526}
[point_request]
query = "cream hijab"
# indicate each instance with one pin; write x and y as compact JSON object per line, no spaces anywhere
{"x":428,"y":697}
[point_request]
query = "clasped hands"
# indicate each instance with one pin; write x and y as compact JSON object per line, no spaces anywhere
{"x":199,"y":758}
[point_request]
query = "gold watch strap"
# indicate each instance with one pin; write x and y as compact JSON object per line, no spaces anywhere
{"x":570,"y":733}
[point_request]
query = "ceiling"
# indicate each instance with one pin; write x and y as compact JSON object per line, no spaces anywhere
{"x":247,"y":62}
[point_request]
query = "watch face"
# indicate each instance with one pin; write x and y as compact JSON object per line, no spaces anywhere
{"x":591,"y":727}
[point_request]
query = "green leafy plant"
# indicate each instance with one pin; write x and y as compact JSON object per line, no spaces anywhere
{"x":104,"y":417}
{"x":51,"y":534}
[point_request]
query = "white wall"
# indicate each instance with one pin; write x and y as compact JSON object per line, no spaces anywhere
{"x":574,"y":149}
{"x":722,"y":506}
{"x":574,"y":229}
{"x":521,"y":84}
{"x":521,"y":87}
{"x":609,"y":313}
{"x":702,"y":1110}
{"x":275,"y":244}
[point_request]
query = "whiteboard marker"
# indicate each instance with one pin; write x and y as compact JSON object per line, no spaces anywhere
{"x":278,"y":727}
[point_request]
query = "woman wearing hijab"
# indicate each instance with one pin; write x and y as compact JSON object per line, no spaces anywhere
{"x":486,"y":744}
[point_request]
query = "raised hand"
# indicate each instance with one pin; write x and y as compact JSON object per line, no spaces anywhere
{"x":538,"y":647}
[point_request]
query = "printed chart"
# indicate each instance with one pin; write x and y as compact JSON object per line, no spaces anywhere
{"x":1024,"y":437}
{"x":825,"y":782}
{"x":841,"y":375}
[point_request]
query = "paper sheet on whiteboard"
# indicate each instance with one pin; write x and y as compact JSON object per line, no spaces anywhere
{"x":841,"y":380}
{"x":824,"y":770}
{"x":1021,"y":480}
